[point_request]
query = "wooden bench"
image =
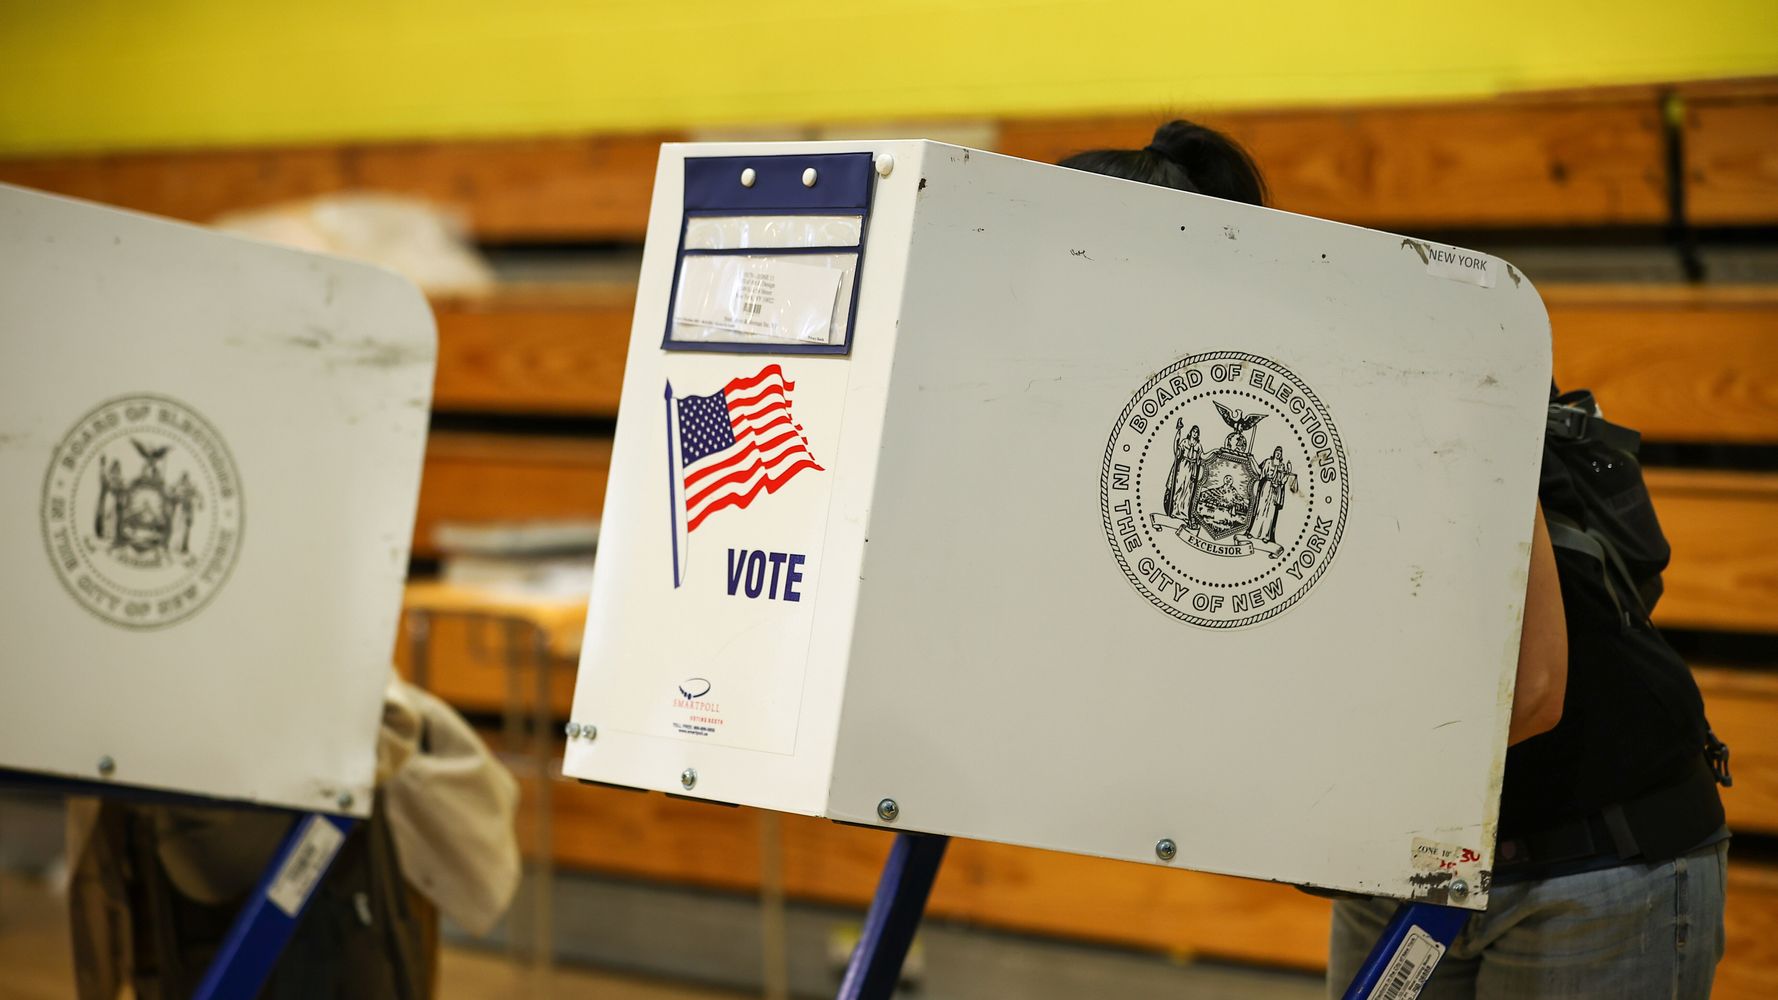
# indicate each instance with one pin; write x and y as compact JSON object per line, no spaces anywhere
{"x":652,"y":837}
{"x":1574,"y":160}
{"x":473,"y":477}
{"x":1682,"y":365}
{"x":1578,"y":158}
{"x":1567,"y":158}
{"x":530,"y":190}
{"x":1730,"y":133}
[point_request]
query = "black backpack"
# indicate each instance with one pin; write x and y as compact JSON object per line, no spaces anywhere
{"x":1597,"y":506}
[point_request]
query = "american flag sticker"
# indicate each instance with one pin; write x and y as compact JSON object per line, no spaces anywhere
{"x":728,"y":449}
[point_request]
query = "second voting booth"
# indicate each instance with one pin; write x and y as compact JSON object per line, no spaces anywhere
{"x":964,"y":495}
{"x":210,"y":455}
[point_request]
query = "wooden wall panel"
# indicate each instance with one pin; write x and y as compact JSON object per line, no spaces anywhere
{"x":467,"y":666}
{"x":1569,"y":159}
{"x":1679,"y":364}
{"x":534,"y":351}
{"x":652,"y":836}
{"x":1500,"y":163}
{"x":500,"y":477}
{"x":1724,"y":530}
{"x":1731,"y":157}
{"x":584,"y":188}
{"x":1743,"y":708}
{"x":195,"y":186}
{"x":1749,"y":967}
{"x":1020,"y":889}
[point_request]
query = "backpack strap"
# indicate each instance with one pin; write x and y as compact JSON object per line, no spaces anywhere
{"x":1566,"y":533}
{"x":1577,"y":420}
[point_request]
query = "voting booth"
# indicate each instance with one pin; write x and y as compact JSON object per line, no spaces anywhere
{"x":966,"y":495}
{"x":210,"y":455}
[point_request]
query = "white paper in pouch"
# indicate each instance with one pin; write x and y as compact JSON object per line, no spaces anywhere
{"x":771,"y":298}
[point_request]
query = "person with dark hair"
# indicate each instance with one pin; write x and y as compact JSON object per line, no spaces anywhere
{"x":1185,"y":156}
{"x":1611,"y":856}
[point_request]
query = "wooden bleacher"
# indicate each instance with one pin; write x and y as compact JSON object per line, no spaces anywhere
{"x":1687,"y":365}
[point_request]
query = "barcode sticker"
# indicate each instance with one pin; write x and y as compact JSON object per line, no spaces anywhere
{"x":1412,"y":966}
{"x":315,"y":847}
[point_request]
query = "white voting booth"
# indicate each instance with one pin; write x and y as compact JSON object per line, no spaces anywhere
{"x":209,"y":459}
{"x":961,"y":494}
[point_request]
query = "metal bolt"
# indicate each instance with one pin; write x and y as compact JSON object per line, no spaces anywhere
{"x":1459,"y":889}
{"x":345,"y":800}
{"x":106,"y":766}
{"x":573,"y":730}
{"x":748,"y":177}
{"x":688,"y":778}
{"x":885,"y":164}
{"x":887,"y":810}
{"x":809,"y":177}
{"x":589,"y":732}
{"x":1165,"y":849}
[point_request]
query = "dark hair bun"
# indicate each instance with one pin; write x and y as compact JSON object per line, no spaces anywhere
{"x":1185,"y":156}
{"x":1215,"y":163}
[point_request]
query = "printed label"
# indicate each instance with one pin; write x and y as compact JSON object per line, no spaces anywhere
{"x":308,"y":861}
{"x":1459,"y":265}
{"x":767,"y":297}
{"x":1412,"y":966}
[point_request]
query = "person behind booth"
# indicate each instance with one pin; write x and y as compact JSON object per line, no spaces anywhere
{"x":1610,"y":863}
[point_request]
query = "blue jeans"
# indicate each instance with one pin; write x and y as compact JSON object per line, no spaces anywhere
{"x":1625,"y":933}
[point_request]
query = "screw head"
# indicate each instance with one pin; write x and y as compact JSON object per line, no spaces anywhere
{"x":885,"y":164}
{"x":1165,"y":849}
{"x":748,"y":177}
{"x":573,"y":730}
{"x":107,"y":766}
{"x":1459,"y":889}
{"x":588,"y":731}
{"x":345,"y":800}
{"x":688,"y":778}
{"x":888,"y":810}
{"x":809,"y":176}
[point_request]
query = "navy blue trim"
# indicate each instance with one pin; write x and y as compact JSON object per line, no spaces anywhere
{"x":842,"y":181}
{"x":772,"y":213}
{"x":845,"y":185}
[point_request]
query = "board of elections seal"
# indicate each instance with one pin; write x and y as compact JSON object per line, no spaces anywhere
{"x":1224,"y":489}
{"x":142,"y":511}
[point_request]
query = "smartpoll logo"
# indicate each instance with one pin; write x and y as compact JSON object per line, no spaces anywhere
{"x":703,"y":717}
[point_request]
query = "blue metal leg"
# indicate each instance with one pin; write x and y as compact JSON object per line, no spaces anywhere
{"x":264,"y":925}
{"x":894,"y":916}
{"x":1410,"y":948}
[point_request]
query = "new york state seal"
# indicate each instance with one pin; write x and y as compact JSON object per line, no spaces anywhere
{"x":1224,"y":489}
{"x":142,"y":511}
